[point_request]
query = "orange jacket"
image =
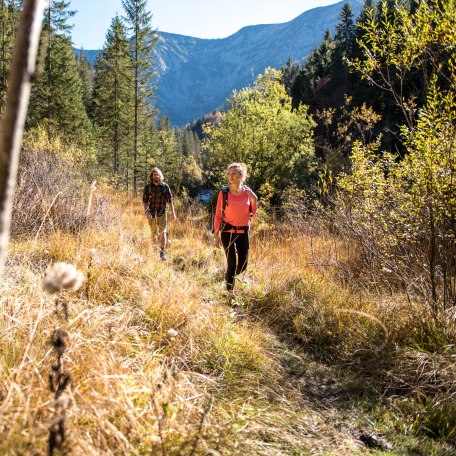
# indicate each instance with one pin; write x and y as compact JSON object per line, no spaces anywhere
{"x":237,"y":211}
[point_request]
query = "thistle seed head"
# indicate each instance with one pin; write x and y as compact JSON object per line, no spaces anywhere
{"x":62,"y":276}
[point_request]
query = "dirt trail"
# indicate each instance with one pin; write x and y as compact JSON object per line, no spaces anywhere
{"x":309,"y":408}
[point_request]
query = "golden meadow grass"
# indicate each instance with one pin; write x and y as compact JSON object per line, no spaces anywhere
{"x":160,"y":366}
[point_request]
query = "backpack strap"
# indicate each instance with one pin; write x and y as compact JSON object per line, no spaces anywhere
{"x":225,"y":190}
{"x":147,"y":192}
{"x":165,"y":190}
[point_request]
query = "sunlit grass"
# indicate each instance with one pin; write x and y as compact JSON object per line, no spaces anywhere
{"x":160,"y":363}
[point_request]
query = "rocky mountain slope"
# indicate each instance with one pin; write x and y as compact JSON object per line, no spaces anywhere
{"x":196,"y":76}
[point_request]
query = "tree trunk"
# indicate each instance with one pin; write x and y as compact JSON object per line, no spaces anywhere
{"x":17,"y":98}
{"x":3,"y":77}
{"x":135,"y":147}
{"x":49,"y":69}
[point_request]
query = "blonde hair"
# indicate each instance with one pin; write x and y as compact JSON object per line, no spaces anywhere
{"x":242,"y":167}
{"x":159,"y":173}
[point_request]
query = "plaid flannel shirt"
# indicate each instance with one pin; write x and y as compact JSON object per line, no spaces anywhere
{"x":156,"y":197}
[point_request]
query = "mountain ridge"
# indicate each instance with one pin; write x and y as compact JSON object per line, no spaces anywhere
{"x":196,"y":75}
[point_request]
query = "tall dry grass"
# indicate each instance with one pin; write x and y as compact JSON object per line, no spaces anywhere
{"x":364,"y":324}
{"x":55,"y":188}
{"x":161,"y":365}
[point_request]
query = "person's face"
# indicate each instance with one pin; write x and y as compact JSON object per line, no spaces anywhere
{"x":156,"y":177}
{"x":234,"y":176}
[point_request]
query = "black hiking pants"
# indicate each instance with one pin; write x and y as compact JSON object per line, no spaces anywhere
{"x":236,"y":247}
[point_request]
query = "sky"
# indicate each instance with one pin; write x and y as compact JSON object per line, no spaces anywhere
{"x":197,"y":18}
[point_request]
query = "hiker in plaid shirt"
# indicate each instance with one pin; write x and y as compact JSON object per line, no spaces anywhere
{"x":156,"y":196}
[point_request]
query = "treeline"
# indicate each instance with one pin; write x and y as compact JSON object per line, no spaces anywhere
{"x":349,"y":105}
{"x":106,"y":110}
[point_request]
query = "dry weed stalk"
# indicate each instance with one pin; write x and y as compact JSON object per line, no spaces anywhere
{"x":58,"y":382}
{"x":60,"y":277}
{"x":46,"y":215}
{"x":93,"y":187}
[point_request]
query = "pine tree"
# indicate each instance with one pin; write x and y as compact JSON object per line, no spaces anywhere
{"x":112,"y":97}
{"x":59,"y":105}
{"x":314,"y":74}
{"x":67,"y":110}
{"x":55,"y":25}
{"x":187,"y":143}
{"x":151,"y":151}
{"x":325,"y":53}
{"x":86,"y":73}
{"x":169,"y":158}
{"x":56,"y":99}
{"x":361,"y":90}
{"x":143,"y":40}
{"x":9,"y":17}
{"x":343,"y":45}
{"x":289,"y":73}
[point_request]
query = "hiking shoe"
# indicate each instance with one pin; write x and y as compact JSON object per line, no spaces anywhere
{"x":162,"y":255}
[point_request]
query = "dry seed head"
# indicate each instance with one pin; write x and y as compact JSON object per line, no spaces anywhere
{"x":62,"y":276}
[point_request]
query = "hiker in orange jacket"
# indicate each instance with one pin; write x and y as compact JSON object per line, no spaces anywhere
{"x":236,"y":205}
